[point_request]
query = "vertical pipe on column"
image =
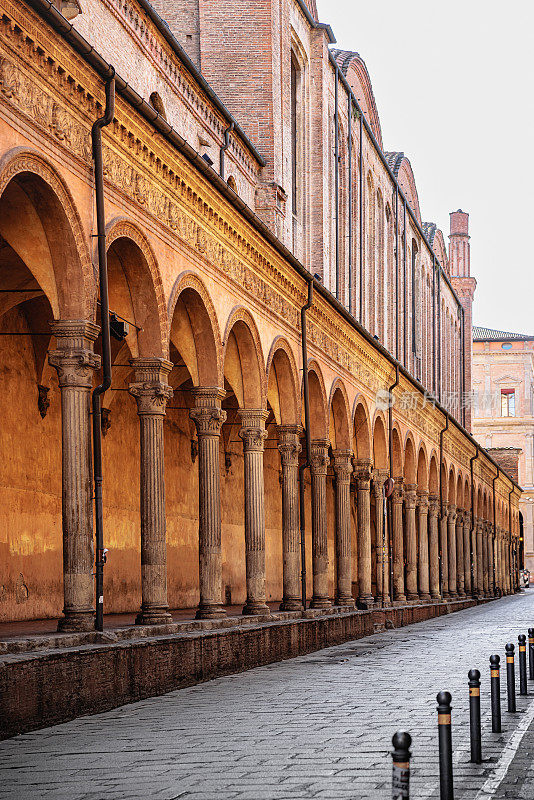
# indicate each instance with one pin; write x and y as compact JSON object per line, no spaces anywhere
{"x":96,"y":139}
{"x":307,"y":439}
{"x":474,"y":582}
{"x":442,"y":555}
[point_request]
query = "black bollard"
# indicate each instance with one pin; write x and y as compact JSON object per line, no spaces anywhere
{"x":510,"y":677}
{"x":522,"y":664}
{"x":474,"y":716}
{"x":531,"y":653}
{"x":446,"y":788}
{"x":495,"y":663}
{"x":400,"y":783}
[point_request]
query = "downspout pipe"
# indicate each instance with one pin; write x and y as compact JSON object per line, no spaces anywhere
{"x":336,"y":177}
{"x":440,"y":553}
{"x":349,"y":203}
{"x":494,"y":529}
{"x":471,"y":462}
{"x":305,"y":463}
{"x":224,"y":147}
{"x":390,"y":434}
{"x":513,"y":584}
{"x":96,"y":140}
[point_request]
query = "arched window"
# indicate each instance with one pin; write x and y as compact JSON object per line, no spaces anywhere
{"x":370,"y":257}
{"x":380,"y":310}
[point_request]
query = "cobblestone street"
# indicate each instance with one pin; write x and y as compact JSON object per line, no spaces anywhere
{"x":318,"y":726}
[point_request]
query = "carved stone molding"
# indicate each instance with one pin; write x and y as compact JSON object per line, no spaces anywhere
{"x":150,"y":387}
{"x":74,"y":358}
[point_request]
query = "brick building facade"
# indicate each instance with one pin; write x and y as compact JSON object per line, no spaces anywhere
{"x":225,"y":191}
{"x":503,"y":385}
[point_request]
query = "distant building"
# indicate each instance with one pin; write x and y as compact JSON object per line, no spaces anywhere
{"x":503,"y":384}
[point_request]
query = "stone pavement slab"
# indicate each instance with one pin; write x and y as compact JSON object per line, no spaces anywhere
{"x":317,"y":726}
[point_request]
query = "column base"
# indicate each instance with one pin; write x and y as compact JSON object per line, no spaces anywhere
{"x":412,"y":598}
{"x":153,"y":616}
{"x":291,"y":604}
{"x":77,"y":622}
{"x":425,"y":598}
{"x":255,"y":608}
{"x":320,"y":602}
{"x":210,"y":611}
{"x":435,"y":597}
{"x":365,"y":603}
{"x":346,"y":602}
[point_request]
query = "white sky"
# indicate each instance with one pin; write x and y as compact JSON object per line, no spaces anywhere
{"x":453,"y":83}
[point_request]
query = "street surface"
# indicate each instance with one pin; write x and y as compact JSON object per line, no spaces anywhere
{"x":317,"y":726}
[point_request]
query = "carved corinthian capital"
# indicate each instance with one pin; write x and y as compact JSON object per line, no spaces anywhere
{"x":289,"y":444}
{"x":319,"y":456}
{"x":207,"y":413}
{"x":74,"y":358}
{"x":343,"y":465}
{"x":253,"y":431}
{"x":150,"y":387}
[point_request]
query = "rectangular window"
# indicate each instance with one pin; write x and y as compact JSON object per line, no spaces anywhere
{"x":507,"y":402}
{"x":294,"y":138}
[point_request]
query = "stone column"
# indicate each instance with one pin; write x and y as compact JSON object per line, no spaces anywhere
{"x":410,"y":500}
{"x":467,"y":553}
{"x":253,"y":434}
{"x":474,"y":557}
{"x":398,"y":542}
{"x":444,"y":541}
{"x":209,"y":418}
{"x":363,"y":481}
{"x":509,"y":587}
{"x":433,"y":512}
{"x":460,"y":575}
{"x":480,"y":560}
{"x":319,"y":468}
{"x":151,"y":391}
{"x":423,"y":567}
{"x":485,"y":558}
{"x":453,"y":588}
{"x":343,"y":470}
{"x":289,"y":447}
{"x":382,"y":560}
{"x":75,"y":362}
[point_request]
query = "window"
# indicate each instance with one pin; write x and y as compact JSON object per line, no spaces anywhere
{"x":506,"y":346}
{"x":507,"y":402}
{"x":294,"y":136}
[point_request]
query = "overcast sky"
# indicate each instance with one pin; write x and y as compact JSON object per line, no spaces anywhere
{"x":453,"y":82}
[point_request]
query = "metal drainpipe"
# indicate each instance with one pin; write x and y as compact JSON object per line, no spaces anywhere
{"x":361,"y":218}
{"x":439,"y":336}
{"x":404,"y":308}
{"x":462,"y":364}
{"x":390,"y":435}
{"x":397,"y":338}
{"x":307,"y":439}
{"x":349,"y":204}
{"x":224,"y":147}
{"x":472,"y":532}
{"x":96,"y":139}
{"x":440,"y":554}
{"x":493,"y":535}
{"x":434,"y":325}
{"x":510,"y":493}
{"x":336,"y":174}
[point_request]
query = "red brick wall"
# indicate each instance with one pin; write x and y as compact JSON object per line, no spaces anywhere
{"x":507,"y":459}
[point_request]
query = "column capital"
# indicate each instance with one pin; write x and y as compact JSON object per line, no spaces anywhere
{"x":422,"y":500}
{"x":363,"y":468}
{"x":289,"y":444}
{"x":343,"y":465}
{"x":74,"y":358}
{"x":410,"y":495}
{"x":380,"y":476}
{"x":398,"y":490}
{"x":150,"y":387}
{"x":319,"y":456}
{"x":433,"y":505}
{"x":459,"y":516}
{"x":208,"y":396}
{"x":253,"y":431}
{"x":452,"y":512}
{"x":207,"y":413}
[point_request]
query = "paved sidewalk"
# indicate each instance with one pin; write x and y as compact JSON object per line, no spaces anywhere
{"x":318,"y":726}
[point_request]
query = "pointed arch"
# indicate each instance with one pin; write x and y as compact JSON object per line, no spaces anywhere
{"x":433,"y":475}
{"x":282,"y":383}
{"x":37,"y":198}
{"x":339,"y":417}
{"x":194,"y":329}
{"x":422,"y":468}
{"x":410,"y":466}
{"x":361,"y":429}
{"x":397,"y":456}
{"x":318,"y":402}
{"x":380,"y":448}
{"x":244,"y":364}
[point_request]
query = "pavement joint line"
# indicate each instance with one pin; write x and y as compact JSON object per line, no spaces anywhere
{"x":510,"y":749}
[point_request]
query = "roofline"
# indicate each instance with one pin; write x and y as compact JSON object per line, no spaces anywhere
{"x":57,"y":21}
{"x":313,"y":22}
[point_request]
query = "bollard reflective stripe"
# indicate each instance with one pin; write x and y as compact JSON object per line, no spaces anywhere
{"x":474,"y":716}
{"x":446,"y":788}
{"x":510,"y":677}
{"x":495,"y":693}
{"x":523,"y":690}
{"x":400,"y":779}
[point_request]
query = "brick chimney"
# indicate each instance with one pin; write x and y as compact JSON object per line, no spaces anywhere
{"x":464,"y":285}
